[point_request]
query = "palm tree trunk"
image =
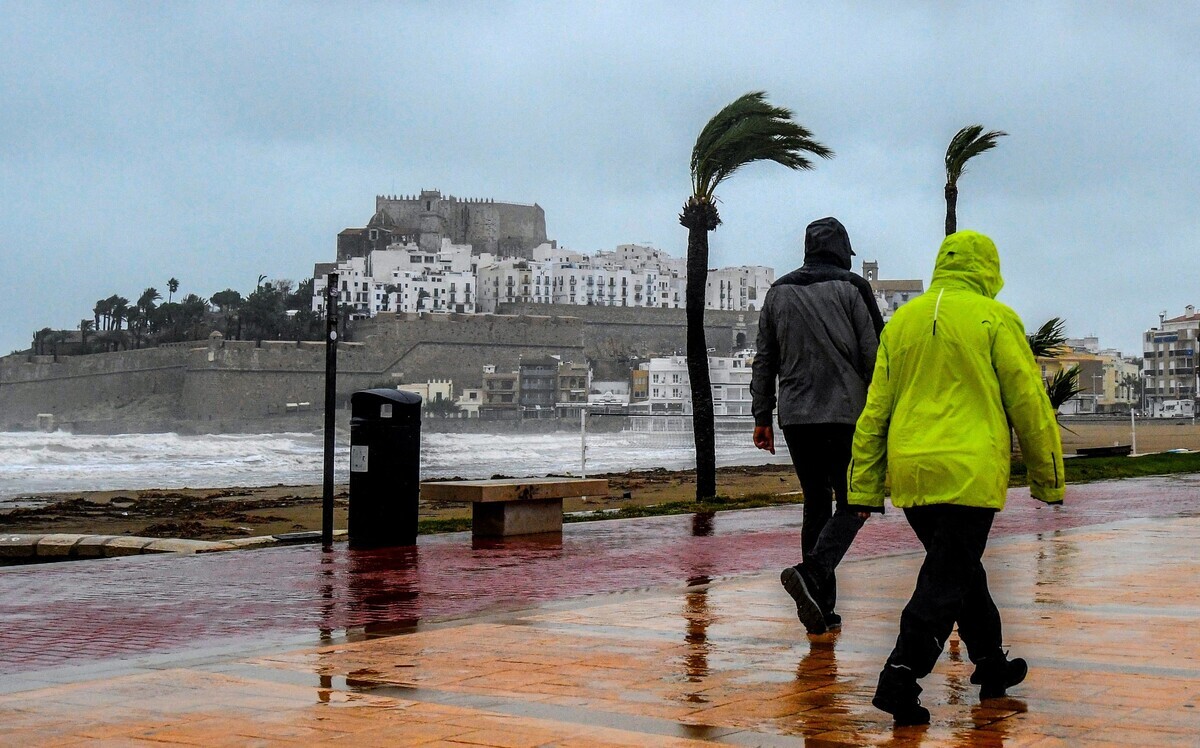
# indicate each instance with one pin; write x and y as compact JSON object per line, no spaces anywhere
{"x":951,"y":208}
{"x":697,"y":363}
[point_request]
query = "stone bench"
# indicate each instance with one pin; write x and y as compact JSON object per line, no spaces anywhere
{"x":514,"y":506}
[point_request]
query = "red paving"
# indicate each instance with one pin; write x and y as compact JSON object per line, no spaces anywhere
{"x":86,"y":612}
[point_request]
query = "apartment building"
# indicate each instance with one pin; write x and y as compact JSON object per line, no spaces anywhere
{"x":1169,"y":371}
{"x":670,"y":386}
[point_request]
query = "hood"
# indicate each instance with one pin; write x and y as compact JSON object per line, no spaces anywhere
{"x":827,"y":243}
{"x":968,"y":259}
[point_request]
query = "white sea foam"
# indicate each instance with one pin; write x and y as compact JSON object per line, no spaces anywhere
{"x":35,"y":462}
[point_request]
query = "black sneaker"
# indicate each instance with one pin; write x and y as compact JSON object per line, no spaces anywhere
{"x":996,"y":674}
{"x":897,"y":694}
{"x":833,"y":621}
{"x":802,"y":591}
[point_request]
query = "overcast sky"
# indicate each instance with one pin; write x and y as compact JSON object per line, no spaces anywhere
{"x":215,"y":142}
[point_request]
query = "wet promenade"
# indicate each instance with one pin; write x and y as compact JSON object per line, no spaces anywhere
{"x":662,"y":631}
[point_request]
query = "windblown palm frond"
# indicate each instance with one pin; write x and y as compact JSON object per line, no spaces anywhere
{"x":1063,"y":387}
{"x":1047,"y":342}
{"x":968,"y":143}
{"x":748,"y":130}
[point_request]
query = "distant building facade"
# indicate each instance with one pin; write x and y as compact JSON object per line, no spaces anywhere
{"x":670,"y":386}
{"x":890,"y":295}
{"x":1169,"y":371}
{"x":428,"y":218}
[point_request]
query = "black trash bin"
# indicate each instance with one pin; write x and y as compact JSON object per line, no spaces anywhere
{"x":385,"y":467}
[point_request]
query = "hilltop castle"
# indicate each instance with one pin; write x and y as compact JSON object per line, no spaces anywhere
{"x":502,"y":229}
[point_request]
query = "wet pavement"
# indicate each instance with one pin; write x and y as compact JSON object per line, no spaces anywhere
{"x":661,"y":631}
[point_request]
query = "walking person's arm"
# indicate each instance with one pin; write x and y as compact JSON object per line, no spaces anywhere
{"x":868,"y":460}
{"x":1028,"y":409}
{"x":762,"y":381}
{"x":868,"y":324}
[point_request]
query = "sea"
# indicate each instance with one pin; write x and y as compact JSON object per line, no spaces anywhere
{"x":51,"y":462}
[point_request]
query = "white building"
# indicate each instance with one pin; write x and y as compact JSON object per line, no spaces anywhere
{"x":890,"y":295}
{"x":670,"y":385}
{"x":407,"y":278}
{"x":1170,"y":352}
{"x":739,"y":289}
{"x":434,"y":389}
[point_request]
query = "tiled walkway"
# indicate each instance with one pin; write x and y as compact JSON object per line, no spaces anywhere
{"x":94,"y":611}
{"x":694,"y":640}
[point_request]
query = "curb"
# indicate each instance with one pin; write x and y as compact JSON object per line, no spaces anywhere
{"x":67,"y":546}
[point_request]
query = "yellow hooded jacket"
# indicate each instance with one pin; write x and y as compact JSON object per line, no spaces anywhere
{"x":953,"y":371}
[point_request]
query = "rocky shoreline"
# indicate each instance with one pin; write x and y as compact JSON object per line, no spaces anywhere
{"x":224,"y":513}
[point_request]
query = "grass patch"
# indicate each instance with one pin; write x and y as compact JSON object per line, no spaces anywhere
{"x":1091,"y":469}
{"x":453,"y":524}
{"x":715,"y":504}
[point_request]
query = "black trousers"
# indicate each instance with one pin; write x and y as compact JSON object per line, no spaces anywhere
{"x":821,"y":454}
{"x":951,"y":587}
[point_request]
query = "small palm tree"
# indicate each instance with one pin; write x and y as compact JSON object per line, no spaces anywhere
{"x":966,"y":145}
{"x":172,"y":287}
{"x":1048,"y":342}
{"x":747,"y":130}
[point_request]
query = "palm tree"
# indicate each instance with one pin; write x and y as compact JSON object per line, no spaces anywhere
{"x":120,"y":305}
{"x":968,"y":143}
{"x":100,"y":310}
{"x":747,"y":130}
{"x":40,"y":337}
{"x":146,"y":308}
{"x":110,"y":308}
{"x":172,"y":287}
{"x":1048,"y":342}
{"x":85,"y":327}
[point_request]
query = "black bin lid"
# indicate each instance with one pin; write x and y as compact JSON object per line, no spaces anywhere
{"x":383,"y":403}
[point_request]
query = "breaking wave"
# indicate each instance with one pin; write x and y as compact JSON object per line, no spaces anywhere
{"x":38,"y":462}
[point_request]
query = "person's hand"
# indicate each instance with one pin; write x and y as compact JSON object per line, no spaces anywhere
{"x":764,"y":438}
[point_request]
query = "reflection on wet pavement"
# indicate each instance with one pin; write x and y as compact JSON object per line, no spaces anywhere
{"x":719,"y":661}
{"x":1105,"y":616}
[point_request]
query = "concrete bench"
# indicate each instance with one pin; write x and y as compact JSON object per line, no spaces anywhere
{"x":514,"y":506}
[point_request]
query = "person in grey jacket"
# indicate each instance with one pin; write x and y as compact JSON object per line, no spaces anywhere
{"x":817,"y":333}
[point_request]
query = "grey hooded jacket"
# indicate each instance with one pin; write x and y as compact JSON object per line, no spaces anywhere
{"x":817,"y":333}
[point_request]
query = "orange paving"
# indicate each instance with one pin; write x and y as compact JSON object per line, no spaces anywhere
{"x":1105,"y":615}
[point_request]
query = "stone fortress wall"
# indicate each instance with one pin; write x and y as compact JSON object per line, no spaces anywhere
{"x":500,"y":228}
{"x":231,"y":385}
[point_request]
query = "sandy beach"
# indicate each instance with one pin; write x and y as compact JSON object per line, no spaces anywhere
{"x":214,"y":513}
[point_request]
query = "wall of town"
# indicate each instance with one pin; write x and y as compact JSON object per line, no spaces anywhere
{"x":104,"y":385}
{"x":226,"y":382}
{"x":622,"y":332}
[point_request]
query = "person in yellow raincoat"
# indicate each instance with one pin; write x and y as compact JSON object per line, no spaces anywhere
{"x":952,"y":374}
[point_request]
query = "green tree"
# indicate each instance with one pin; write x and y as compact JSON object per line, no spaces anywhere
{"x":968,"y":143}
{"x":227,"y":300}
{"x":100,"y":310}
{"x":85,"y":328}
{"x":119,"y":306}
{"x":263,"y":313}
{"x":172,"y":287}
{"x":1048,"y":341}
{"x":301,"y":298}
{"x":40,"y":339}
{"x":747,"y":130}
{"x":441,"y":407}
{"x":145,"y":315}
